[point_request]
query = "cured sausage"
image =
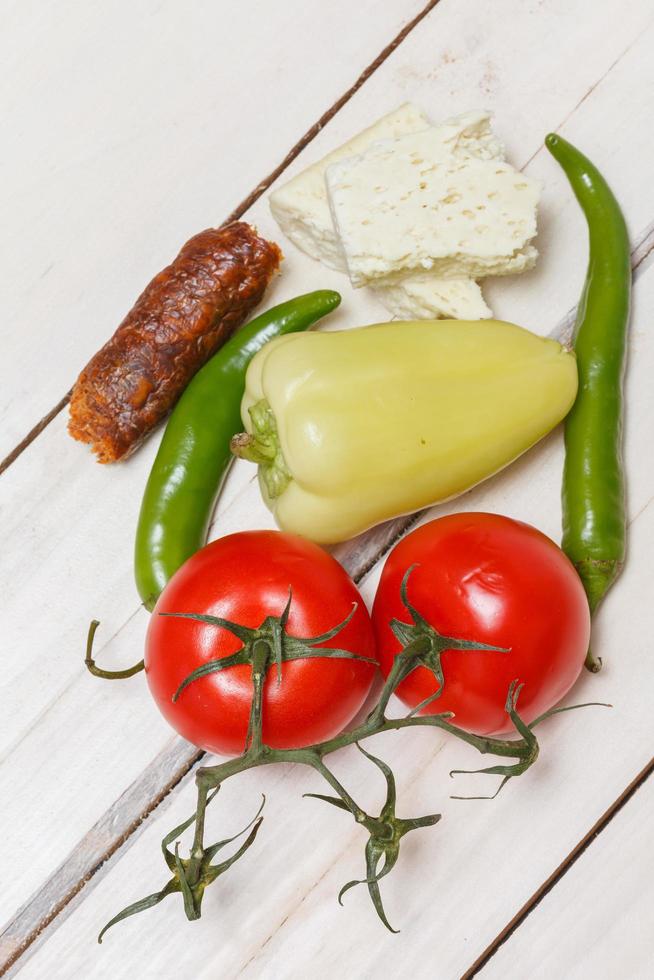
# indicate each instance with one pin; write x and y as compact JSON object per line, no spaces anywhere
{"x":183,"y":316}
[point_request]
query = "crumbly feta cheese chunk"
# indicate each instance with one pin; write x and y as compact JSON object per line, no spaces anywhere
{"x":424,"y":297}
{"x":300,"y":207}
{"x":411,"y":204}
{"x":302,"y":210}
{"x":468,"y":135}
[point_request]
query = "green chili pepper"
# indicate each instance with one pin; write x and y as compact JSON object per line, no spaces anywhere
{"x":594,"y":523}
{"x":194,"y":453}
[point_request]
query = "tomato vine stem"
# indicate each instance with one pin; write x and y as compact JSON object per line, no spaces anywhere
{"x":266,"y":649}
{"x":108,"y":675}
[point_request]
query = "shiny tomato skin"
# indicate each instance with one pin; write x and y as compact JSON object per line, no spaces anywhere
{"x":495,"y":580}
{"x":245,"y":577}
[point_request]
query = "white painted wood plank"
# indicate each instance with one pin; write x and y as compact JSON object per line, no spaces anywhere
{"x":53,"y":522}
{"x":127,"y":128}
{"x":599,"y":920}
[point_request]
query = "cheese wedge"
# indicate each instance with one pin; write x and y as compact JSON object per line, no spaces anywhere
{"x":300,"y":207}
{"x":411,"y":205}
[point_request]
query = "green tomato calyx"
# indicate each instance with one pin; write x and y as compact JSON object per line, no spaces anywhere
{"x":267,"y":645}
{"x":423,"y":645}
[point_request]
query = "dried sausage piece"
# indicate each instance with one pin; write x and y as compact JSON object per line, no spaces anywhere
{"x":183,"y":316}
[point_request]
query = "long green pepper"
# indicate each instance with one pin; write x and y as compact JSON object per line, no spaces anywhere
{"x":593,"y":495}
{"x":194,"y":454}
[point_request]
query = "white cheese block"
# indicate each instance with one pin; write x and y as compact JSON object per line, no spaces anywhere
{"x":413,"y":205}
{"x":424,"y":297}
{"x":300,"y":207}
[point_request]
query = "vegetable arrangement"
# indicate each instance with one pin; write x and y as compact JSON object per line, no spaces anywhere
{"x":260,"y":646}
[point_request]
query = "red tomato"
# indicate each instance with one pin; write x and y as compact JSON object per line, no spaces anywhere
{"x":244,"y":578}
{"x":490,"y":579}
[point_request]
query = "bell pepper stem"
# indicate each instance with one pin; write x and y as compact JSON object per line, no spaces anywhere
{"x":245,"y":446}
{"x":262,"y":446}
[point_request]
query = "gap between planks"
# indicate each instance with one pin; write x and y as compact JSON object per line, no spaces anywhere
{"x":83,"y":863}
{"x":532,"y":903}
{"x":49,"y":902}
{"x":255,"y":194}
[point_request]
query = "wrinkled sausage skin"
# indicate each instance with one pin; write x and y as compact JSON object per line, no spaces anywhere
{"x":183,"y":316}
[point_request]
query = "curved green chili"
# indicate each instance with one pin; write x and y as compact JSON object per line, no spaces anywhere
{"x":594,"y":523}
{"x":194,"y":453}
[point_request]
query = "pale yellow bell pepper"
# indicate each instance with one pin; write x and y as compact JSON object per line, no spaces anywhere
{"x":351,"y":428}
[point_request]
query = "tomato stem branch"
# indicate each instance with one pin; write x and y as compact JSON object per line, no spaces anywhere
{"x":261,"y":654}
{"x":109,"y":675}
{"x":268,"y":647}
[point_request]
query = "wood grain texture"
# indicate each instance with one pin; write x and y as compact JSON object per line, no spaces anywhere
{"x":131,"y":127}
{"x":120,"y":823}
{"x":600,"y":920}
{"x":76,"y":526}
{"x":559,"y":872}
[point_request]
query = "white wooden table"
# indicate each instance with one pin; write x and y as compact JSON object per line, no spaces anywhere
{"x":128,"y":127}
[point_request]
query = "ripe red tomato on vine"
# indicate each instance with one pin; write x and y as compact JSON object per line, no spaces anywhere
{"x":246,"y":578}
{"x":260,"y":644}
{"x":497,"y":581}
